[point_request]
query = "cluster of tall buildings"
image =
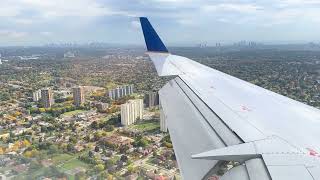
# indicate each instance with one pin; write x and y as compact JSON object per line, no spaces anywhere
{"x":47,"y":100}
{"x":120,"y":91}
{"x":131,"y":111}
{"x":151,"y":99}
{"x":69,"y":54}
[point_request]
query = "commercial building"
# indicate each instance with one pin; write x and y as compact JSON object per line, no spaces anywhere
{"x":131,"y":111}
{"x":78,"y":96}
{"x":36,"y":95}
{"x":120,"y":91}
{"x":151,"y":99}
{"x":47,"y":98}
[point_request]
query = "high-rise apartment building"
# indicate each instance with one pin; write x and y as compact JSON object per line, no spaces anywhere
{"x":120,"y":91}
{"x":151,"y":99}
{"x":78,"y":96}
{"x":36,"y":95}
{"x":47,"y":98}
{"x":131,"y":111}
{"x":163,"y":122}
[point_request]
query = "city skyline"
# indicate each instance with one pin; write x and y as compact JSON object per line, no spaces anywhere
{"x":34,"y":22}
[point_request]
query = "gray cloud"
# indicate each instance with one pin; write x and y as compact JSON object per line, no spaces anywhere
{"x":179,"y":21}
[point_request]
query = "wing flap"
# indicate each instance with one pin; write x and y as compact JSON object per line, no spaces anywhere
{"x":192,"y":132}
{"x":187,"y":133}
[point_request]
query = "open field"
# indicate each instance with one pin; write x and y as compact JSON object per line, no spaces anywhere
{"x":74,"y":163}
{"x":147,"y":125}
{"x":72,"y":113}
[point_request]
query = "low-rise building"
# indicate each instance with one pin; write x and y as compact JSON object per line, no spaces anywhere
{"x":102,"y":106}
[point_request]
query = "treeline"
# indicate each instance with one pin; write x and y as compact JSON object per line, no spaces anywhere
{"x":57,"y":111}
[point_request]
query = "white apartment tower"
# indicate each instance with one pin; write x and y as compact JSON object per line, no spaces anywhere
{"x":36,"y":95}
{"x":163,"y":122}
{"x":131,"y":111}
{"x":120,"y":91}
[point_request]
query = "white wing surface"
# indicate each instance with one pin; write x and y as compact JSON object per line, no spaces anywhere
{"x":214,"y":119}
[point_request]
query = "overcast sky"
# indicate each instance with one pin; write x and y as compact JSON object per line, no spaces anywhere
{"x":189,"y":22}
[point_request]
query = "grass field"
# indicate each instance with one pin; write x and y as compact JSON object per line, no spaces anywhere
{"x":147,"y":125}
{"x":61,"y":158}
{"x":71,"y":113}
{"x":74,"y":163}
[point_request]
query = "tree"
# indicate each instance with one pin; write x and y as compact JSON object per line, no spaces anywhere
{"x":109,"y":128}
{"x":140,"y":141}
{"x":131,"y":169}
{"x":1,"y":151}
{"x":4,"y":96}
{"x":80,"y":176}
{"x":124,"y":148}
{"x":53,"y":149}
{"x":90,"y":154}
{"x":72,"y":139}
{"x":154,"y":154}
{"x":124,"y":158}
{"x":26,"y":143}
{"x":110,"y":177}
{"x":28,"y":154}
{"x":94,"y":125}
{"x":99,"y":167}
{"x":70,"y":147}
{"x":17,"y":113}
{"x":96,"y":149}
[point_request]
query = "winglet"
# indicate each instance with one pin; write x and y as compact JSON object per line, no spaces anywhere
{"x":151,"y":37}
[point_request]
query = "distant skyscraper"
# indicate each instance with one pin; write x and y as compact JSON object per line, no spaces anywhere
{"x":151,"y":99}
{"x":78,"y":96}
{"x":69,"y":54}
{"x":47,"y":98}
{"x":131,"y":111}
{"x":36,"y":95}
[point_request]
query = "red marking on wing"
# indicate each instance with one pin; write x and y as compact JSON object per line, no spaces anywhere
{"x":245,"y":108}
{"x":213,"y":178}
{"x":312,"y":152}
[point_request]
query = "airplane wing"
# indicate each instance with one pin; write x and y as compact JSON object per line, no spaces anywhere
{"x":226,"y":128}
